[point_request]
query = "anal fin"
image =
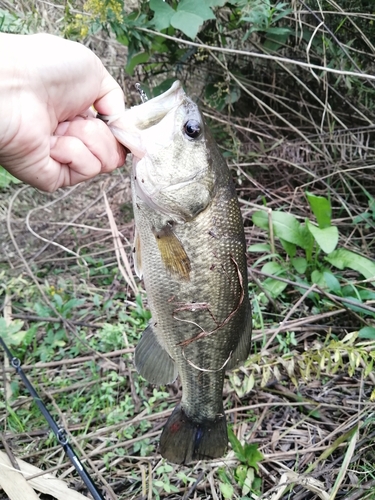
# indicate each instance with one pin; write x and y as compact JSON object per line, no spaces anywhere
{"x":152,"y":361}
{"x":242,"y":351}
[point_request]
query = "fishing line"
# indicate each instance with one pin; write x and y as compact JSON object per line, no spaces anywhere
{"x":59,"y":431}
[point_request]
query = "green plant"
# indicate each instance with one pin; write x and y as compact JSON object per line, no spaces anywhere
{"x":12,"y":333}
{"x":188,"y":16}
{"x":329,"y":356}
{"x":6,"y":179}
{"x":162,"y":479}
{"x":11,"y":23}
{"x":311,"y":251}
{"x":245,"y":474}
{"x":262,"y":15}
{"x":286,"y":342}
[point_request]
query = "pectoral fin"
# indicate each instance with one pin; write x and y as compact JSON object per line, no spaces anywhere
{"x":152,"y":361}
{"x":173,"y":253}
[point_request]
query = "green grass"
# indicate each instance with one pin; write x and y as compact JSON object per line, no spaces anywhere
{"x":293,"y":148}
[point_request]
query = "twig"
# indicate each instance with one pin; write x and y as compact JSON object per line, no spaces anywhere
{"x":51,"y":319}
{"x":290,"y":312}
{"x":259,"y":56}
{"x":330,"y":295}
{"x":119,"y":250}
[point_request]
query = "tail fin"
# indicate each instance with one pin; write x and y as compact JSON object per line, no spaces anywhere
{"x":184,"y":440}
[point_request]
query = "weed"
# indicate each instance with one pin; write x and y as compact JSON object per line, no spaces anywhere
{"x":163,"y":480}
{"x":309,"y":251}
{"x":246,"y":474}
{"x":286,"y":342}
{"x":281,"y":125}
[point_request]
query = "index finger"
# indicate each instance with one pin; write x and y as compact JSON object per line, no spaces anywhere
{"x":110,"y":100}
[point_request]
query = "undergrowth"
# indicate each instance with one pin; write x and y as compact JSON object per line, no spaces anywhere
{"x":288,"y":91}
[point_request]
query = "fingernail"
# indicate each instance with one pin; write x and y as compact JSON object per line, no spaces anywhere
{"x":62,"y":128}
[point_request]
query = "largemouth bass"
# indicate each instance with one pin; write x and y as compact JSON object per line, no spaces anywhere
{"x":190,"y":250}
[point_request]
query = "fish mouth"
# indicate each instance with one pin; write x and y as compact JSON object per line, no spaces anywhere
{"x":131,"y":127}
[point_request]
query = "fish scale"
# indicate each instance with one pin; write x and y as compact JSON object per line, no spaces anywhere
{"x":190,"y":250}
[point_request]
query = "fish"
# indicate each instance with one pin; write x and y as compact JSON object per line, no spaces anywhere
{"x":190,"y":250}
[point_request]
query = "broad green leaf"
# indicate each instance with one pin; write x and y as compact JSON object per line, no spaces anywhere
{"x":308,"y":241}
{"x":260,"y":219}
{"x":317,"y":277}
{"x":351,"y":291}
{"x":326,"y":238}
{"x":366,"y":294}
{"x":259,"y":247}
{"x":141,"y":57}
{"x":72,"y":303}
{"x":253,"y":455}
{"x":343,"y":258}
{"x":299,"y":264}
{"x":163,"y":14}
{"x":12,"y":327}
{"x":241,"y":472}
{"x":272,"y":286}
{"x":273,"y":268}
{"x":285,"y":226}
{"x":236,"y":444}
{"x":58,"y":299}
{"x":290,"y":248}
{"x":227,"y":490}
{"x":190,"y":16}
{"x":321,"y":208}
{"x":332,"y":282}
{"x":123,"y":39}
{"x":367,"y":332}
{"x":6,"y":178}
{"x":12,"y":333}
{"x":187,"y":22}
{"x":197,"y":7}
{"x":249,"y":481}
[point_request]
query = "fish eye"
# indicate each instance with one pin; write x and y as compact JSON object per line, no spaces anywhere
{"x":192,"y":129}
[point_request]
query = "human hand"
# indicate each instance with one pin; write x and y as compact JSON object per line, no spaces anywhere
{"x":49,"y":137}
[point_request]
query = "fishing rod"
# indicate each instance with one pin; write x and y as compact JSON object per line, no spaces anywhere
{"x":59,"y":431}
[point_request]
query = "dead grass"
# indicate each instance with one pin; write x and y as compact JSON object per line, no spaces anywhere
{"x":317,"y":435}
{"x":298,"y":429}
